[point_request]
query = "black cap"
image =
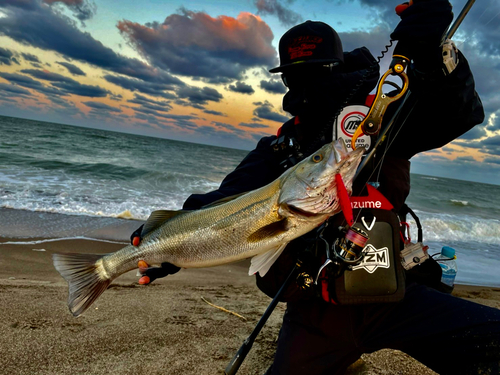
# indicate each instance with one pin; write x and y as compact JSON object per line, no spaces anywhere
{"x":308,"y":43}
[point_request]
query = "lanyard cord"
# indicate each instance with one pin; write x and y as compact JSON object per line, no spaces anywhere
{"x":314,"y":145}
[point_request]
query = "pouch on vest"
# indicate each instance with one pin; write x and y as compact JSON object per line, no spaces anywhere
{"x":380,"y":276}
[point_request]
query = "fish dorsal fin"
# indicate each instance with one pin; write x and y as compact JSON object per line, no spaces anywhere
{"x":271,"y":230}
{"x":157,"y":218}
{"x":218,"y":202}
{"x":262,"y":263}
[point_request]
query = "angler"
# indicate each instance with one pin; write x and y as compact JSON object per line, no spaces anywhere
{"x":344,"y":313}
{"x":330,"y":322}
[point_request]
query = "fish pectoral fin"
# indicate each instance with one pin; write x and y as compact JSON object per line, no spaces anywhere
{"x":157,"y":218}
{"x":262,"y":263}
{"x":271,"y":230}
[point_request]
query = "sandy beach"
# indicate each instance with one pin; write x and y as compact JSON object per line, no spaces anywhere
{"x":164,"y":328}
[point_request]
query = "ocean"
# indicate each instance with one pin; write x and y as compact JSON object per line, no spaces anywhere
{"x":79,"y":179}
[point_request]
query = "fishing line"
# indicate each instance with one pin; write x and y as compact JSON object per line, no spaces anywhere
{"x":484,"y":12}
{"x":492,"y":19}
{"x":460,"y":43}
{"x":390,"y":140}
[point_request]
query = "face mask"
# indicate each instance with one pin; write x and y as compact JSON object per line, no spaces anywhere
{"x":322,"y":96}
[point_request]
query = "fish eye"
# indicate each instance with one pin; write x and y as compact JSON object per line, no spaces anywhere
{"x":317,"y":158}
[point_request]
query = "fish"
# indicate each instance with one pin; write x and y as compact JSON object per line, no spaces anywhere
{"x":257,"y":224}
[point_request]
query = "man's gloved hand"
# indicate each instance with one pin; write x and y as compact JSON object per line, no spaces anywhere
{"x":150,"y":274}
{"x":421,"y":30}
{"x":135,"y":238}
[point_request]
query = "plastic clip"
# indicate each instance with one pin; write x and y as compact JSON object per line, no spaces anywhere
{"x":406,"y":240}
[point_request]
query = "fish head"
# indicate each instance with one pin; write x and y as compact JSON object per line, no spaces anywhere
{"x":309,"y":188}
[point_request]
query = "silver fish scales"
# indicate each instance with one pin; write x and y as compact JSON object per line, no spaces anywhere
{"x":258,"y":225}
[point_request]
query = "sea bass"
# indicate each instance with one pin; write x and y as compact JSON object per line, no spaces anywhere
{"x":257,"y":224}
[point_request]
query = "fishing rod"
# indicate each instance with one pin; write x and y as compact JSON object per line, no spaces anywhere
{"x":460,"y":18}
{"x":449,"y":34}
{"x":235,"y":363}
{"x":240,"y":356}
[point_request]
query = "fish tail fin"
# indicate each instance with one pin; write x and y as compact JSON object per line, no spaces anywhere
{"x":86,"y":277}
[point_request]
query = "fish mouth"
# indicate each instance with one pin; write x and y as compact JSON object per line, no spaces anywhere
{"x":299,"y":211}
{"x":324,"y":197}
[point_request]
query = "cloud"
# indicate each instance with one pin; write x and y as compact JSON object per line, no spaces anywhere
{"x":492,"y":160}
{"x":459,"y":168}
{"x":30,"y":23}
{"x":216,"y":113}
{"x":25,"y":81}
{"x":195,"y":44}
{"x":46,"y":75}
{"x":241,"y":88}
{"x":77,"y":88}
{"x":253,"y":125}
{"x":186,"y":103}
{"x":151,"y":112}
{"x":482,"y":25}
{"x":7,"y":57}
{"x":475,"y":133}
{"x":73,"y":69}
{"x":66,"y":84}
{"x":273,"y":86}
{"x":197,"y":95}
{"x":286,"y":16}
{"x":264,"y":110}
{"x":494,"y":121}
{"x":231,"y":128}
{"x":83,"y":10}
{"x":182,"y":121}
{"x":491,"y":145}
{"x":31,"y":58}
{"x":101,"y":106}
{"x":13,"y":90}
{"x":154,"y":105}
{"x":134,"y":84}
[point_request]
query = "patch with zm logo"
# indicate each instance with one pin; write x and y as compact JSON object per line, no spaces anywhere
{"x":347,"y":123}
{"x":374,"y":258}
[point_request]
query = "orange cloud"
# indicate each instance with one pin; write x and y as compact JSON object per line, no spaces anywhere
{"x":196,"y":44}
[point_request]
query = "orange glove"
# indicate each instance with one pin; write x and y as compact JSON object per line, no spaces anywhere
{"x":143,"y":267}
{"x":135,"y":238}
{"x":150,"y":274}
{"x":402,"y":7}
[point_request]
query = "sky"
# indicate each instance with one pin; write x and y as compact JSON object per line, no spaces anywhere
{"x":197,"y":71}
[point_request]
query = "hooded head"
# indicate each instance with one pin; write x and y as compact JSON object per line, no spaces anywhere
{"x":318,"y":74}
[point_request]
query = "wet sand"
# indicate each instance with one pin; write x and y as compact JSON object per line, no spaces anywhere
{"x":164,"y":328}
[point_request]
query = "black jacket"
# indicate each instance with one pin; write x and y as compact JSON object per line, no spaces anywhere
{"x":443,"y":108}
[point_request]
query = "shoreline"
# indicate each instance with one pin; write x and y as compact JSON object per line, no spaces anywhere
{"x":165,"y":327}
{"x":19,"y":225}
{"x":29,"y":227}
